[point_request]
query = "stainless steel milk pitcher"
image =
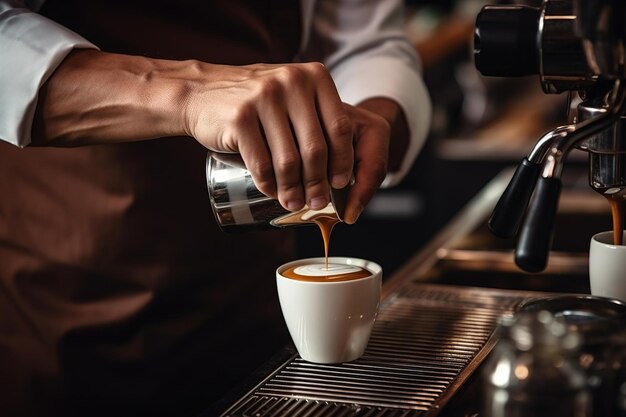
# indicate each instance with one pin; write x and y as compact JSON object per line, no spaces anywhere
{"x":239,"y":206}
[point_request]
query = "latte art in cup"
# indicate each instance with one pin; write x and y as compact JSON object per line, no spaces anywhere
{"x":318,"y":272}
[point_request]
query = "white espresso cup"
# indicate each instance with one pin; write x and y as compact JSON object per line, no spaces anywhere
{"x":330,"y":320}
{"x":607,"y":267}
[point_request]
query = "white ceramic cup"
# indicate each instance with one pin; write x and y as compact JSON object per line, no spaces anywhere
{"x":330,"y":322}
{"x":607,"y":267}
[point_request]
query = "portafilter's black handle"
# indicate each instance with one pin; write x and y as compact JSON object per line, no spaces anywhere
{"x":509,"y":211}
{"x":536,"y":233}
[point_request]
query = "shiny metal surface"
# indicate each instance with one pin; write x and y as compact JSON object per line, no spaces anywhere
{"x":562,"y":62}
{"x":553,"y":148}
{"x":426,"y":342}
{"x":239,"y":206}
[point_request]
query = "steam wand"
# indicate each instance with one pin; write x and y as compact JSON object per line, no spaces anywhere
{"x":546,"y":158}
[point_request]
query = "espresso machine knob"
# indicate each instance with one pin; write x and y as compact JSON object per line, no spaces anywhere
{"x":505,"y":41}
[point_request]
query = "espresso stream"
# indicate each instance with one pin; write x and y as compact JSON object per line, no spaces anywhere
{"x":326,"y":224}
{"x":319,"y":273}
{"x":618,"y":207}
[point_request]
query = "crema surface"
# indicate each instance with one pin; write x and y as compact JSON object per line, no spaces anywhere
{"x":318,"y":272}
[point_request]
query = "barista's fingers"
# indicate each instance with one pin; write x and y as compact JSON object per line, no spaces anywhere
{"x":286,"y":161}
{"x":371,"y":158}
{"x":337,"y":128}
{"x":313,"y":151}
{"x":367,"y":179}
{"x":257,"y":158}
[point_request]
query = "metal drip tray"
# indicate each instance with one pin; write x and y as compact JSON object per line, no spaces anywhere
{"x":426,"y":342}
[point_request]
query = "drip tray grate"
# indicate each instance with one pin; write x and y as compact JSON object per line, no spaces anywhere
{"x":426,"y":341}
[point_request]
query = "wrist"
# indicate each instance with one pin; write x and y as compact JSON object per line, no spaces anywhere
{"x":162,"y":91}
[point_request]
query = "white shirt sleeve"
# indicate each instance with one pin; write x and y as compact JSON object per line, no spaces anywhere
{"x":364,"y":46}
{"x":31,"y":48}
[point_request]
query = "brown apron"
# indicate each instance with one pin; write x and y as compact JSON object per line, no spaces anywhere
{"x":118,"y":293}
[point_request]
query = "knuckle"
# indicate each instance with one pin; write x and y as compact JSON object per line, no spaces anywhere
{"x":340,"y":126}
{"x":314,"y":182}
{"x":288,"y":165}
{"x":242,"y":114}
{"x":289,"y":188}
{"x":269,"y":89}
{"x":315,"y":150}
{"x":318,"y":69}
{"x":292,"y":75}
{"x":262,"y":170}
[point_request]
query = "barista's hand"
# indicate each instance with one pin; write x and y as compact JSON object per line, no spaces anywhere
{"x":286,"y":121}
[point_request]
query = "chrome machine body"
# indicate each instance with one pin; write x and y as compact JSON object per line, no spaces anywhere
{"x":575,"y":46}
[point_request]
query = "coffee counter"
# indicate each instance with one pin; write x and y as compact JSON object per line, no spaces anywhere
{"x":435,"y":324}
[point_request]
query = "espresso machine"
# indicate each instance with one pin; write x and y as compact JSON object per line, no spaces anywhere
{"x":576,"y":47}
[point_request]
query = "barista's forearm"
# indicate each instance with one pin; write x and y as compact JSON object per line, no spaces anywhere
{"x":400,"y":135}
{"x":96,"y":97}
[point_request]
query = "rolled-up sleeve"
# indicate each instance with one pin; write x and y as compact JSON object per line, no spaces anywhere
{"x":31,"y":48}
{"x":364,"y":46}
